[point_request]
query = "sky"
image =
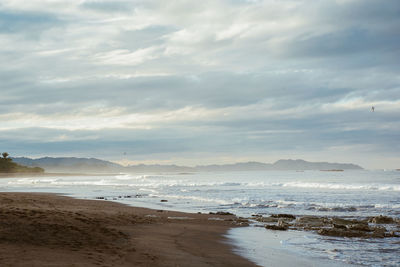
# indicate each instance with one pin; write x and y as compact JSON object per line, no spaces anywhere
{"x":199,"y":82}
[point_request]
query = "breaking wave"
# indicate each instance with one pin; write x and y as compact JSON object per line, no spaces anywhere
{"x":336,"y":186}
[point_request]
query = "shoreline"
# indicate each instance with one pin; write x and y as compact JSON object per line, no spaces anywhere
{"x":40,"y":229}
{"x":49,"y":174}
{"x":279,"y":254}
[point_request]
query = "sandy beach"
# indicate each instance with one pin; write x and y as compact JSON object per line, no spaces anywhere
{"x":51,"y":230}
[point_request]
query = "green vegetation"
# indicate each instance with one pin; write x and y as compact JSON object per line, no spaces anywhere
{"x":8,"y":166}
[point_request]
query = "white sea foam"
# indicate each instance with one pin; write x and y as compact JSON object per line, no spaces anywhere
{"x":126,"y":177}
{"x":387,"y":206}
{"x":195,"y":198}
{"x":27,"y":181}
{"x":61,"y":182}
{"x":366,"y":187}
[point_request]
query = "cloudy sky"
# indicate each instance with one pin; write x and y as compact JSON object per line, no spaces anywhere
{"x":211,"y":81}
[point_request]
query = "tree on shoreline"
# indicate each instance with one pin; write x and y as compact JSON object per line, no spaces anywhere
{"x":8,"y":166}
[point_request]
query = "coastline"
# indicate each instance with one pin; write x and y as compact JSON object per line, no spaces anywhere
{"x":51,"y":230}
{"x":278,"y":252}
{"x":300,"y":245}
{"x":50,"y":174}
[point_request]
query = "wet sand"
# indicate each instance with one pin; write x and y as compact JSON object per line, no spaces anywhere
{"x":51,"y":230}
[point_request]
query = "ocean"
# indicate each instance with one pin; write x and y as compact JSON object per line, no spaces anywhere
{"x":348,"y":194}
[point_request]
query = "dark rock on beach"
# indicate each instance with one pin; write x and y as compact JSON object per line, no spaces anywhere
{"x":358,"y":230}
{"x":276,"y":227}
{"x":339,"y":226}
{"x":341,"y":221}
{"x":267,"y":219}
{"x":288,"y":216}
{"x":275,"y":218}
{"x":311,"y":222}
{"x":334,"y":226}
{"x":281,"y":226}
{"x":341,"y":232}
{"x":242,"y":221}
{"x":221,"y":213}
{"x":381,"y":219}
{"x":360,"y":227}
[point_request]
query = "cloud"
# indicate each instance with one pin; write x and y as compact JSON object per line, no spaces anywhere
{"x":12,"y":22}
{"x":108,"y":7}
{"x":209,"y":79}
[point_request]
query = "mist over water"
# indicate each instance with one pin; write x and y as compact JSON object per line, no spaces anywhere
{"x":345,"y":194}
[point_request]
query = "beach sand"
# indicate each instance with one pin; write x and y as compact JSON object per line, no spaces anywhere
{"x":51,"y":230}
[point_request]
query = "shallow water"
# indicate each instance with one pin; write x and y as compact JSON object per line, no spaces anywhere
{"x":348,"y":193}
{"x":281,"y":247}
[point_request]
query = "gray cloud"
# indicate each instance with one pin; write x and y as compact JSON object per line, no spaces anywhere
{"x":205,"y":79}
{"x":30,"y":23}
{"x":109,"y":6}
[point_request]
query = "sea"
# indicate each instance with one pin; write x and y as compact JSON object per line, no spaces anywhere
{"x":350,"y":193}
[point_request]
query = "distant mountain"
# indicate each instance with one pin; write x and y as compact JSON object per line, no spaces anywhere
{"x":243,"y":166}
{"x":92,"y":165}
{"x":280,"y":165}
{"x":158,"y":168}
{"x":7,"y":165}
{"x":299,"y":164}
{"x":72,"y":165}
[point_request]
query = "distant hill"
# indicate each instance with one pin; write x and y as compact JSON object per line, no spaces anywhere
{"x":280,"y":165}
{"x":8,"y":166}
{"x":243,"y":166}
{"x":158,"y":168}
{"x":73,"y":165}
{"x":299,"y":164}
{"x":92,"y":165}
